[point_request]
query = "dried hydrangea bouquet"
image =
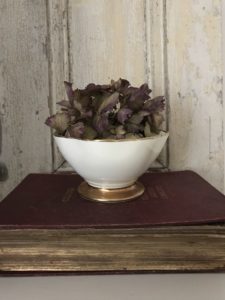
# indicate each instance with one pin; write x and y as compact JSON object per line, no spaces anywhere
{"x":110,"y":134}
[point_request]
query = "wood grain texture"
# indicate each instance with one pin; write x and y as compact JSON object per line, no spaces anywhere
{"x":156,"y":57}
{"x":171,"y":249}
{"x":107,"y":41}
{"x":195,"y":88}
{"x":155,"y":45}
{"x":57,"y":19}
{"x":24,"y":91}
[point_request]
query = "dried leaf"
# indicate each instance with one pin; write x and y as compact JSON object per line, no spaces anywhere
{"x":92,"y":89}
{"x":147,"y":130}
{"x":96,"y":102}
{"x":134,"y":128}
{"x":106,"y":133}
{"x":121,"y":85}
{"x":124,"y":114}
{"x":132,"y":136}
{"x":59,"y":122}
{"x":138,"y":117}
{"x":120,"y":130}
{"x":112,"y":110}
{"x":108,"y":103}
{"x":157,"y":119}
{"x":65,"y":103}
{"x":155,"y":105}
{"x":101,"y":122}
{"x":81,"y":104}
{"x":76,"y":130}
{"x":138,"y":96}
{"x":89,"y":133}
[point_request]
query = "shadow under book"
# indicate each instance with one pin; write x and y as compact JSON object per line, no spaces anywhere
{"x":177,"y":225}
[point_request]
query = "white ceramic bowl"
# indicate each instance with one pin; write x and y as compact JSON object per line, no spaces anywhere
{"x":111,"y":163}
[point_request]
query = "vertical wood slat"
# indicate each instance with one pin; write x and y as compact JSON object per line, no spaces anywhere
{"x":155,"y":40}
{"x":156,"y":62}
{"x":57,"y":17}
{"x":24,"y":90}
{"x":195,"y":87}
{"x":107,"y":41}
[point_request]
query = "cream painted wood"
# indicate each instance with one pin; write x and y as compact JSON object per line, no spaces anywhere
{"x":156,"y":58}
{"x":26,"y":145}
{"x":57,"y":18}
{"x":107,"y":41}
{"x":195,"y":69}
{"x":155,"y":46}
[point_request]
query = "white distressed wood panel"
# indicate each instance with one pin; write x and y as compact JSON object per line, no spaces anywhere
{"x":57,"y":18}
{"x":155,"y":46}
{"x":155,"y":15}
{"x":196,"y":117}
{"x":26,"y":143}
{"x":107,"y":41}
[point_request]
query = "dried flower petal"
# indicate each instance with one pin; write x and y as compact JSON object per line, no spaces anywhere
{"x":97,"y":88}
{"x":155,"y":105}
{"x":89,"y":133}
{"x":108,"y":103}
{"x":147,"y":130}
{"x":59,"y":122}
{"x":156,"y":120}
{"x":64,"y":103}
{"x":123,"y":114}
{"x":138,"y":117}
{"x":114,"y":110}
{"x":138,"y":96}
{"x":101,"y":123}
{"x":76,"y":130}
{"x":121,"y":85}
{"x":133,"y":136}
{"x":134,"y":128}
{"x":120,"y":130}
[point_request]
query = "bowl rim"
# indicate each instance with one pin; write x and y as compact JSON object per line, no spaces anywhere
{"x":161,"y":134}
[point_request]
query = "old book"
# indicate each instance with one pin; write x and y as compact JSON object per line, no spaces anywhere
{"x":176,"y":225}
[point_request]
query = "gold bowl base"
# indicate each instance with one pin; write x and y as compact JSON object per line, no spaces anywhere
{"x":111,"y":195}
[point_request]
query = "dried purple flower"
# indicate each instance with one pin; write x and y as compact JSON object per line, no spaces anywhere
{"x":117,"y":110}
{"x":59,"y":122}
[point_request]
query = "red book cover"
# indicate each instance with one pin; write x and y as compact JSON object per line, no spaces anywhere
{"x":52,"y":201}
